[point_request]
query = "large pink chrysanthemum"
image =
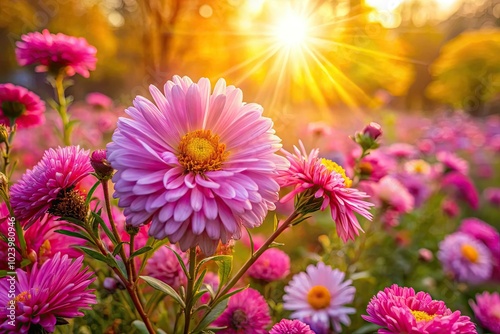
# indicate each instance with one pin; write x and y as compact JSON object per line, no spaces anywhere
{"x":56,"y":289}
{"x":486,"y":308}
{"x":401,"y":310}
{"x":327,"y":181}
{"x":52,"y":52}
{"x":200,"y":165}
{"x":272,"y":265}
{"x":50,"y":185}
{"x":247,"y":312}
{"x":319,"y":295}
{"x":21,"y":105}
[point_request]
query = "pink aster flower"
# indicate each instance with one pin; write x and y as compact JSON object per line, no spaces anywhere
{"x":99,"y":100}
{"x":164,"y":266}
{"x":199,"y":164}
{"x":401,"y":310}
{"x":327,"y":182}
{"x":451,"y":162}
{"x":247,"y":312}
{"x":466,"y":258}
{"x":492,"y":195}
{"x":21,"y":105}
{"x":394,"y":194}
{"x":56,"y":289}
{"x":461,"y":186}
{"x":272,"y":265}
{"x":50,"y":185}
{"x":286,"y":326}
{"x":319,"y":295}
{"x":483,"y":232}
{"x":52,"y":52}
{"x":486,"y":308}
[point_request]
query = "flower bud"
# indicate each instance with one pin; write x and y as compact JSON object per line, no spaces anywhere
{"x":425,"y":255}
{"x":4,"y":134}
{"x":373,"y":130}
{"x":101,"y":166}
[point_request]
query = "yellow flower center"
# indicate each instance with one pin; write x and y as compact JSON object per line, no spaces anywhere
{"x":319,"y":297}
{"x":45,"y":250}
{"x":470,"y":253}
{"x":366,"y":168}
{"x":422,"y":315}
{"x":334,"y":167}
{"x":200,"y":151}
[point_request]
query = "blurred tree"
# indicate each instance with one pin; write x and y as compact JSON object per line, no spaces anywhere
{"x":467,"y":72}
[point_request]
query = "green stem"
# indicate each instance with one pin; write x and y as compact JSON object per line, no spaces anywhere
{"x":17,"y":225}
{"x":189,"y":292}
{"x":255,"y":256}
{"x":63,"y":108}
{"x":8,"y":145}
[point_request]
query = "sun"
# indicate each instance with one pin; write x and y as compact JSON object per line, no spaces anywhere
{"x":291,"y":30}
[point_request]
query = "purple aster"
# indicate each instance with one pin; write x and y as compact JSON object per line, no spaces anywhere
{"x":56,"y":289}
{"x":319,"y":295}
{"x":286,"y":326}
{"x":272,"y":265}
{"x":466,"y":258}
{"x":50,"y":185}
{"x":199,"y":164}
{"x":246,"y":313}
{"x":486,"y":308}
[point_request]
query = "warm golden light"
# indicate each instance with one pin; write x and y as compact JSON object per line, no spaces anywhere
{"x":291,"y":30}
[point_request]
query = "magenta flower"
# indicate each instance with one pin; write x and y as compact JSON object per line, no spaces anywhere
{"x":462,"y":187}
{"x":19,"y":104}
{"x":247,"y":312}
{"x":286,"y":326}
{"x":272,"y":265}
{"x":401,"y":310}
{"x":56,"y":289}
{"x":52,"y":52}
{"x":466,"y":258}
{"x":451,"y":162}
{"x":483,"y":232}
{"x":99,"y":100}
{"x":50,"y":185}
{"x":164,"y":266}
{"x":200,"y":165}
{"x":486,"y":308}
{"x":390,"y":192}
{"x":492,"y":195}
{"x":328,"y":184}
{"x":319,"y":295}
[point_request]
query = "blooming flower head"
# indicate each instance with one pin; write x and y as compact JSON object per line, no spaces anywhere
{"x":50,"y":186}
{"x":272,"y":265}
{"x":319,"y":295}
{"x":328,"y":184}
{"x":401,"y":310}
{"x":21,"y":106}
{"x":486,"y":308}
{"x":198,"y":164}
{"x":461,"y":186}
{"x":483,"y":232}
{"x":492,"y":195}
{"x":451,"y":162}
{"x":52,"y":52}
{"x":466,"y":258}
{"x":394,"y":194}
{"x":99,"y":100}
{"x":286,"y":326}
{"x":56,"y":289}
{"x":417,"y":166}
{"x":164,"y":266}
{"x":246,"y":313}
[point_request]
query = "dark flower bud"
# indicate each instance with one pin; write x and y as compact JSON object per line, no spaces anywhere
{"x":101,"y":166}
{"x":373,"y":130}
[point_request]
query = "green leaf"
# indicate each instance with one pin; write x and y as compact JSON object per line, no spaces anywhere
{"x":72,"y":220}
{"x":3,"y":273}
{"x":141,"y":251}
{"x":121,"y":266}
{"x":96,"y":255}
{"x":91,"y":192}
{"x":275,"y":223}
{"x":199,"y":280}
{"x":80,"y":235}
{"x":251,"y":239}
{"x":167,"y":289}
{"x":276,"y":244}
{"x":181,"y":262}
{"x":225,"y":263}
{"x":140,"y":326}
{"x":211,"y":316}
{"x":98,"y":218}
{"x":118,"y":248}
{"x":370,"y":328}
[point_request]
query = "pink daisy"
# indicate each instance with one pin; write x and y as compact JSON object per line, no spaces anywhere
{"x":272,"y":265}
{"x":327,"y":183}
{"x":466,"y":258}
{"x":52,"y":52}
{"x":50,"y":185}
{"x":56,"y":289}
{"x":486,"y":308}
{"x":483,"y":232}
{"x":451,"y":162}
{"x":246,"y":313}
{"x":19,"y":104}
{"x":198,"y":164}
{"x":319,"y":295}
{"x":401,"y":310}
{"x":286,"y":326}
{"x":164,"y":266}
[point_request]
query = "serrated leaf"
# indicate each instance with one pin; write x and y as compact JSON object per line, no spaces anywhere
{"x":80,"y":235}
{"x":91,"y":192}
{"x":163,"y":287}
{"x":141,"y":251}
{"x":211,"y":316}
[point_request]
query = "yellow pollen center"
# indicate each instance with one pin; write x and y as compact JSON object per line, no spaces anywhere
{"x":470,"y":253}
{"x":319,"y":297}
{"x":200,"y":151}
{"x":334,"y":167}
{"x":422,"y":315}
{"x":366,"y":168}
{"x":23,"y":296}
